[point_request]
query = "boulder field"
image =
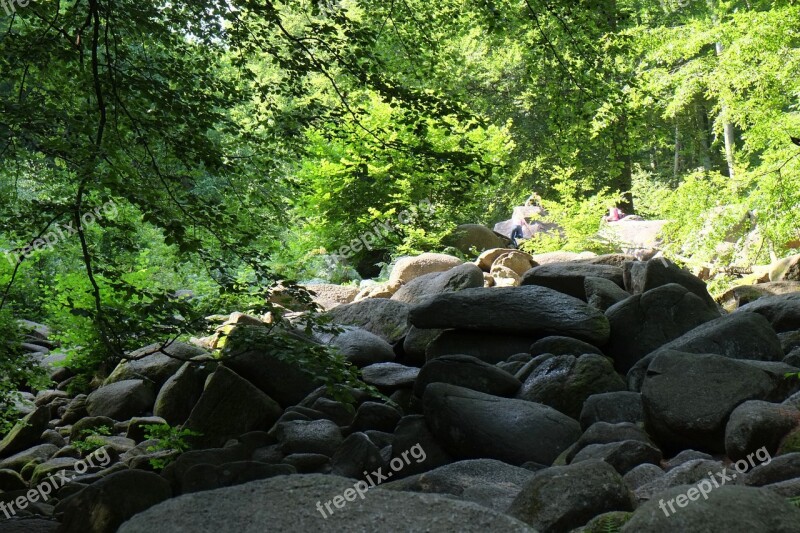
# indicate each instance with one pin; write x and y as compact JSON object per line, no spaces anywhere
{"x":563,"y":393}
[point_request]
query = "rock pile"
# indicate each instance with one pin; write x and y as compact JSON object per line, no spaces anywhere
{"x":586,"y":394}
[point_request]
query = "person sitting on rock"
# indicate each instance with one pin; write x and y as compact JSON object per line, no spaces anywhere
{"x":516,"y":233}
{"x":615,"y":214}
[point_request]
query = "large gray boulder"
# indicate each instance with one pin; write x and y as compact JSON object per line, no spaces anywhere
{"x":265,"y":364}
{"x":463,"y":276}
{"x":737,"y":336}
{"x":468,"y":237}
{"x":647,"y":321}
{"x":473,"y":425}
{"x":104,"y":505}
{"x":612,"y":407}
{"x":688,"y":398}
{"x":122,"y":400}
{"x":409,"y":268}
{"x":362,"y":348}
{"x":26,"y":432}
{"x":757,"y":424}
{"x":565,"y":382}
{"x":516,"y":310}
{"x":316,"y":503}
{"x":385,"y":318}
{"x":487,"y":482}
{"x":782,"y":312}
{"x":230,"y":406}
{"x":154,"y":364}
{"x":562,"y":498}
{"x":603,"y":293}
{"x":486,"y":346}
{"x":726,"y":508}
{"x":466,"y":371}
{"x":570,"y":277}
{"x":642,"y":277}
{"x":180,"y":392}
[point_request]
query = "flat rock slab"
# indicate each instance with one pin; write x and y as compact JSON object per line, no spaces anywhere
{"x":289,"y":503}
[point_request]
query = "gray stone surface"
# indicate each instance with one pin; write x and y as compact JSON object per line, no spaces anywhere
{"x":288,"y":503}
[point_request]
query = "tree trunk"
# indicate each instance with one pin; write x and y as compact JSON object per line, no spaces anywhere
{"x":727,"y":127}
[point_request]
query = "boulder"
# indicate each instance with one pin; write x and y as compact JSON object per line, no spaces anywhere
{"x":558,"y":345}
{"x":624,"y":456}
{"x":389,"y":376}
{"x":205,"y":477}
{"x":565,"y":382}
{"x":356,"y":455}
{"x":412,"y":430}
{"x":786,"y":269}
{"x":757,"y":424}
{"x":503,"y":276}
{"x":569,"y":278}
{"x":486,"y":346}
{"x":264,"y":363}
{"x":328,"y":295}
{"x":737,"y":336}
{"x":385,"y":318}
{"x":468,"y":237}
{"x":375,"y":416}
{"x":153,"y":364}
{"x":230,"y":406}
{"x":316,"y":436}
{"x":548,"y":258}
{"x":461,"y":277}
{"x":602,"y":293}
{"x":647,"y":321}
{"x":362,"y":348}
{"x":782,"y":312}
{"x":103,"y":506}
{"x":26,"y":432}
{"x":486,"y":259}
{"x":516,"y":310}
{"x":516,"y":261}
{"x":727,"y":508}
{"x":408,"y":268}
{"x":180,"y":393}
{"x":288,"y":503}
{"x":468,"y":372}
{"x":36,"y":454}
{"x":642,"y":277}
{"x":606,"y":433}
{"x":473,"y":425}
{"x":122,"y":400}
{"x":487,"y":482}
{"x":742,"y":295}
{"x":377,"y":290}
{"x":612,"y":407}
{"x":688,"y":398}
{"x":416,"y":344}
{"x":562,"y":498}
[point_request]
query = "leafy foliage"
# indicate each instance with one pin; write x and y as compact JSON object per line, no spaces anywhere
{"x":90,"y":440}
{"x":170,"y":439}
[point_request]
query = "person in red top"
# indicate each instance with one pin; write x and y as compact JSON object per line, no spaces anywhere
{"x":614,"y":214}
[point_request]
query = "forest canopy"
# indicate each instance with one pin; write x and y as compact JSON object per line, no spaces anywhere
{"x":229,"y":148}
